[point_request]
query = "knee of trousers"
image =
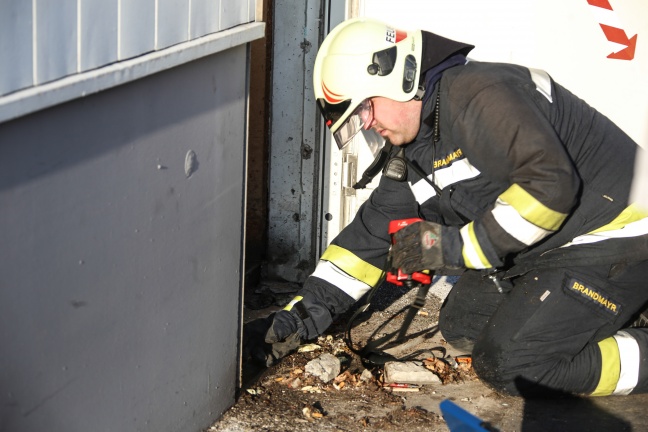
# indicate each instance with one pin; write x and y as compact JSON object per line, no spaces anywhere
{"x":493,"y":367}
{"x":457,"y":327}
{"x":451,"y":324}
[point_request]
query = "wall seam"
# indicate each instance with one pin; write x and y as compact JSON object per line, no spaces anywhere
{"x":78,"y":37}
{"x":34,"y":42}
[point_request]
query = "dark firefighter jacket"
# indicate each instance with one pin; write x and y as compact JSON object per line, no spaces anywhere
{"x":528,"y":173}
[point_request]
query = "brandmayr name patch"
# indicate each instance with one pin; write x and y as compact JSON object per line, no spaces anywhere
{"x":587,"y":292}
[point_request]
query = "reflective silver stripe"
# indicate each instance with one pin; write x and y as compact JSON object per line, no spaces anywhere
{"x":633,"y":229}
{"x":422,"y":190}
{"x":458,"y":171}
{"x":542,"y":82}
{"x":513,"y":223}
{"x":332,"y":274}
{"x":630,"y":361}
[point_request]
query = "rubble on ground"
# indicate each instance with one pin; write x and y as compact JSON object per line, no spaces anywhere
{"x":286,"y":398}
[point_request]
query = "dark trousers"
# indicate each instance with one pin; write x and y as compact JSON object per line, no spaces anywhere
{"x":540,"y":331}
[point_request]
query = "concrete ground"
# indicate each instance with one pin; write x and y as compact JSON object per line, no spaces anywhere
{"x":366,"y":407}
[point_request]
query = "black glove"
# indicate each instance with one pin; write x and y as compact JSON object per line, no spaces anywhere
{"x":417,"y":247}
{"x":307,"y":316}
{"x":266,"y":340}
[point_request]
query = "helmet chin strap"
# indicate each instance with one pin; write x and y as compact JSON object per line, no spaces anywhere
{"x":376,"y":166}
{"x":420,"y":92}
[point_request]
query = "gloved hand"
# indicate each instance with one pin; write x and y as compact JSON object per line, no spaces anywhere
{"x":307,"y":316}
{"x":417,"y":247}
{"x":266,"y":340}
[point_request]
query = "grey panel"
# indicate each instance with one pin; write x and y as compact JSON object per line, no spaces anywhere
{"x":56,"y":39}
{"x":120,"y":265}
{"x":137,"y":29}
{"x":16,"y":45}
{"x":98,"y":33}
{"x":205,"y":17}
{"x":173,"y":22}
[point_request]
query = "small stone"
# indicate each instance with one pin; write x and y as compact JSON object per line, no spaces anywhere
{"x":366,"y":375}
{"x":309,"y":348}
{"x":311,"y":389}
{"x":326,"y":367}
{"x":409,"y":373}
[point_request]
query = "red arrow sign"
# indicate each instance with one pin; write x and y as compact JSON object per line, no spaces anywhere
{"x":616,"y":35}
{"x":605,"y":4}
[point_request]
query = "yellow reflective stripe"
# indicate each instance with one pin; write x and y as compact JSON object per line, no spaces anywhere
{"x":352,"y":265}
{"x":290,"y":305}
{"x":472,"y":253}
{"x":632,"y":213}
{"x":531,"y":209}
{"x":610,"y":367}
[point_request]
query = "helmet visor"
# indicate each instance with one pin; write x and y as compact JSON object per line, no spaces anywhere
{"x":359,"y":119}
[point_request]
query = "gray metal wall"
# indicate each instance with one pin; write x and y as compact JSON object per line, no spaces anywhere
{"x":120,"y":261}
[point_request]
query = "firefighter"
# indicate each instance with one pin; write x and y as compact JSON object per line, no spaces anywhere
{"x":518,"y":182}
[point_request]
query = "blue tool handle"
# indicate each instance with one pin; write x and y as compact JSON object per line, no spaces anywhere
{"x":460,"y":420}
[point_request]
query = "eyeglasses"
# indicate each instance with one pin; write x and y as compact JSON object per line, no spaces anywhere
{"x":366,"y":113}
{"x":360,"y":118}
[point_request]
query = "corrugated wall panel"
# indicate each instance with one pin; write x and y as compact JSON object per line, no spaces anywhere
{"x":205,"y":17}
{"x":16,"y":45}
{"x":71,"y":36}
{"x":233,"y":12}
{"x":137,"y":28}
{"x":252,"y":10}
{"x":97,"y":33}
{"x":173,"y":22}
{"x":56,"y":39}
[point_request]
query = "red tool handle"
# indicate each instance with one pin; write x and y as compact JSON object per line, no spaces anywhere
{"x":399,"y":224}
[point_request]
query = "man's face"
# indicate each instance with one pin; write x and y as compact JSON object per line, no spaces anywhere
{"x":399,"y":122}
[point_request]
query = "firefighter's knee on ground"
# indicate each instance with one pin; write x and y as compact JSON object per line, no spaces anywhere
{"x":491,"y":365}
{"x":501,"y":370}
{"x":451,"y":330}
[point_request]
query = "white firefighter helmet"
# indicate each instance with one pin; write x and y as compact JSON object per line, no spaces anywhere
{"x":363,"y":58}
